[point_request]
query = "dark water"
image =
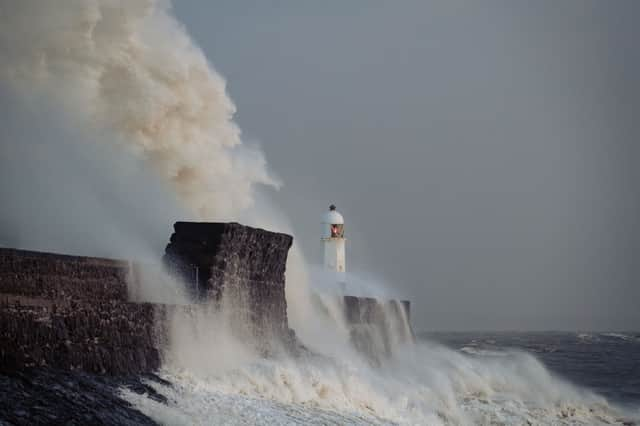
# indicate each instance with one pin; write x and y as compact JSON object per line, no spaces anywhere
{"x":607,"y":363}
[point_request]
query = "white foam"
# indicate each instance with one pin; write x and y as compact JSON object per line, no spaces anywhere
{"x":621,"y":336}
{"x":421,"y":384}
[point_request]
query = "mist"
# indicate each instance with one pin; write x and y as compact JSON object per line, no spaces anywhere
{"x":132,"y":71}
{"x":69,"y":191}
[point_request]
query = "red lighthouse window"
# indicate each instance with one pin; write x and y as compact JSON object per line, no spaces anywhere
{"x":337,"y":231}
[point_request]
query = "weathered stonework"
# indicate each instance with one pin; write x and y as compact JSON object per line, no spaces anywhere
{"x":73,"y":312}
{"x":377,"y":326}
{"x":61,"y":277}
{"x":235,"y":264}
{"x":70,"y":338}
{"x":106,"y":337}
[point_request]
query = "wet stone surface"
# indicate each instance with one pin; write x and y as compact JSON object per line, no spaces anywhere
{"x":62,"y":277}
{"x":245,"y":265}
{"x":108,"y":337}
{"x":49,"y":396}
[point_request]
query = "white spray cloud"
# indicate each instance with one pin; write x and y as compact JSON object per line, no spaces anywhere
{"x":130,"y":76}
{"x":130,"y":68}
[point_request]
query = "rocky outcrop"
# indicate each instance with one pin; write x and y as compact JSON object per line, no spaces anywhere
{"x":235,"y":264}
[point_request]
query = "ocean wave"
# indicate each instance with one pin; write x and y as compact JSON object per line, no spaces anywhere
{"x":482,"y":352}
{"x":421,"y":384}
{"x":622,"y":336}
{"x":587,"y":337}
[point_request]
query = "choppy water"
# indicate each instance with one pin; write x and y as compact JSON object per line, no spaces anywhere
{"x":446,"y":378}
{"x":607,"y":363}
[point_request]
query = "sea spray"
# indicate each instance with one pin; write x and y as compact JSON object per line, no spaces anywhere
{"x":421,"y":383}
{"x":125,"y":74}
{"x":128,"y":67}
{"x":425,"y":384}
{"x":128,"y":75}
{"x":201,"y":341}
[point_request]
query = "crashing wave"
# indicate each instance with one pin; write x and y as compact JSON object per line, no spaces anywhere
{"x":421,"y":384}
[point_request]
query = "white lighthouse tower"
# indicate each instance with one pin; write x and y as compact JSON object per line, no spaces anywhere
{"x":334,"y":243}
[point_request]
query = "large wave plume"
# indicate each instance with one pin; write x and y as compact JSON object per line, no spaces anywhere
{"x":129,"y":67}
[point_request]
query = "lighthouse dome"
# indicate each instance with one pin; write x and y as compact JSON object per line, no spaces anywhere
{"x":332,"y":224}
{"x":332,"y":217}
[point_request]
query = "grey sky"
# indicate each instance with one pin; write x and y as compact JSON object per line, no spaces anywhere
{"x":483,"y":153}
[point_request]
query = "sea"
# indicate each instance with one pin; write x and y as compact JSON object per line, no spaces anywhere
{"x":461,"y":378}
{"x":606,"y":363}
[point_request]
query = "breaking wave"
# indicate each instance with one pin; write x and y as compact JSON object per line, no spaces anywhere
{"x":422,"y":384}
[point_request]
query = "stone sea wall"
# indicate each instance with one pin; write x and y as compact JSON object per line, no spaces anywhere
{"x":377,"y":327}
{"x":104,"y":337}
{"x":238,"y":265}
{"x":74,"y":313}
{"x":60,"y":277}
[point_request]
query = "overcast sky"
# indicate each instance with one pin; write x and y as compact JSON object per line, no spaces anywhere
{"x":484,"y":153}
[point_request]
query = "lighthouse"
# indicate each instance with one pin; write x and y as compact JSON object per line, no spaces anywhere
{"x":334,"y":243}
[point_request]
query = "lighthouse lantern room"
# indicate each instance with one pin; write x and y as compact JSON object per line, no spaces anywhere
{"x":333,"y":241}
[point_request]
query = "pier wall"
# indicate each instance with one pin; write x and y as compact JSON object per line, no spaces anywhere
{"x":74,"y":312}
